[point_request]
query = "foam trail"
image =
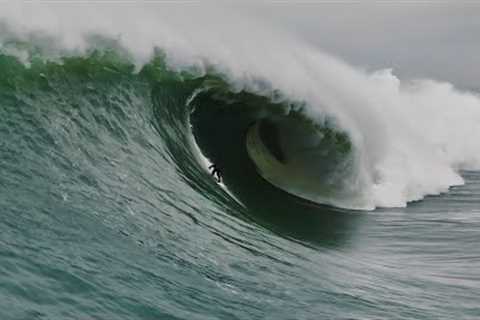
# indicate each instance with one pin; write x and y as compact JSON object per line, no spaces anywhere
{"x":410,"y":138}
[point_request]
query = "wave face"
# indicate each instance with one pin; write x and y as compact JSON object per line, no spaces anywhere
{"x":107,"y":130}
{"x":406,"y":141}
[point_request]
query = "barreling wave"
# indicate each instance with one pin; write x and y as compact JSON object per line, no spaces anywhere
{"x":309,"y":124}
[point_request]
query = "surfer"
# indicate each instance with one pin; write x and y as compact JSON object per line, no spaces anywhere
{"x":216,"y":172}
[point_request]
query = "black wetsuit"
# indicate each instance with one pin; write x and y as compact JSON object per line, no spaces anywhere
{"x":216,"y":172}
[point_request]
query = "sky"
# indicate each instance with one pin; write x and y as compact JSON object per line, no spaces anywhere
{"x":426,"y":39}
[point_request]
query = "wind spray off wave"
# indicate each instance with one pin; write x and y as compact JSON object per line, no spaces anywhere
{"x":406,"y":139}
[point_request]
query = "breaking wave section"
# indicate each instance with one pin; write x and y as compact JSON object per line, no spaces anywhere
{"x":311,"y":124}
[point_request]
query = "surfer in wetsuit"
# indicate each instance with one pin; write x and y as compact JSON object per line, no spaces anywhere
{"x":216,"y":172}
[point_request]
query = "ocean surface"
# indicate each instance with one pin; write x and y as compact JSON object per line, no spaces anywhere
{"x":363,"y":201}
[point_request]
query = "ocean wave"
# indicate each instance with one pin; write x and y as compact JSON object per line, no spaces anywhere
{"x":373,"y":139}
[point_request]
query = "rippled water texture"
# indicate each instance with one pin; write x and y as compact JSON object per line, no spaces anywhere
{"x":106,"y":213}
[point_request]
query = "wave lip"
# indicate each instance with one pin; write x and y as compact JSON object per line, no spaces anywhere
{"x":316,"y":164}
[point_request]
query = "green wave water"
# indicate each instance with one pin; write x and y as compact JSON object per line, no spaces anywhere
{"x":107,"y":212}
